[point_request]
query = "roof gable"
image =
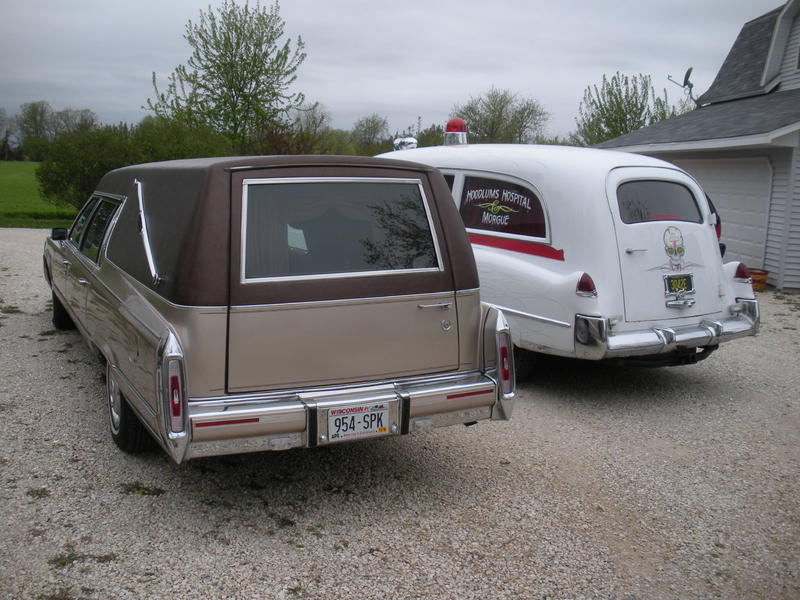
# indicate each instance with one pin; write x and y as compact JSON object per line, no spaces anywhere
{"x":742,"y":71}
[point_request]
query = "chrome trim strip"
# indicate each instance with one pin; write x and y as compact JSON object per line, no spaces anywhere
{"x":342,"y":302}
{"x":293,"y":395}
{"x":244,"y":280}
{"x":148,"y":250}
{"x":338,"y":275}
{"x":519,"y":313}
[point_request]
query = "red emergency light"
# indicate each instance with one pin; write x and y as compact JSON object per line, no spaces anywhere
{"x":455,"y":132}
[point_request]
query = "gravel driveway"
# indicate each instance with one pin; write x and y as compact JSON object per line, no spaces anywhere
{"x":609,"y":482}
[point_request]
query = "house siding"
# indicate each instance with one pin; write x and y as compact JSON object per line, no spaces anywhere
{"x":790,"y":73}
{"x":776,"y":230}
{"x":791,"y":274}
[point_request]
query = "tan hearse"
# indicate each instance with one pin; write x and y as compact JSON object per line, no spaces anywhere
{"x":267,"y":303}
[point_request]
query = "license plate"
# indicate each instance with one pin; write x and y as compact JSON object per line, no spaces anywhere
{"x":358,"y":421}
{"x":678,"y":284}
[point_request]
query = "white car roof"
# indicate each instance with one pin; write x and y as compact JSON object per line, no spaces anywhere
{"x":522,"y":159}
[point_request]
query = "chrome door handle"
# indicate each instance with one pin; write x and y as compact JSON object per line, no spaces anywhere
{"x":680,"y":303}
{"x":632,"y":250}
{"x":82,"y":281}
{"x":442,"y":305}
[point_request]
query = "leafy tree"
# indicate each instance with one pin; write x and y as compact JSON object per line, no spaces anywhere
{"x":501,"y":116}
{"x":238,"y":77}
{"x":371,"y":135}
{"x":431,"y":136}
{"x":78,"y":159}
{"x":620,"y":105}
{"x":158,"y":138}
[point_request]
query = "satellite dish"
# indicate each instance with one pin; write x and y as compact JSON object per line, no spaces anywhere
{"x":686,"y":82}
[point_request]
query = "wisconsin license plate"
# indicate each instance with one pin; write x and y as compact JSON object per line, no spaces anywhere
{"x":678,"y":284}
{"x":358,"y":421}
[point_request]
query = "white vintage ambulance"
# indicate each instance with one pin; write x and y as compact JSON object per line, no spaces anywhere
{"x":595,"y":254}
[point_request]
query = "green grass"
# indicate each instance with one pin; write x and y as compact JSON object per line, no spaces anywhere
{"x":20,"y":202}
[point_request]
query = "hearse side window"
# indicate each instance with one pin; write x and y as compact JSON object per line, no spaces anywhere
{"x":450,"y":179}
{"x":308,"y":228}
{"x":79,"y":225}
{"x":643,"y":201}
{"x":90,"y":246}
{"x":501,"y":206}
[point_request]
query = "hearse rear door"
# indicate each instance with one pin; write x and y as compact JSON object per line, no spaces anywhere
{"x":336,"y":279}
{"x":669,"y":261}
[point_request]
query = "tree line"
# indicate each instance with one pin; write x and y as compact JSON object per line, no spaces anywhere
{"x":234,"y":96}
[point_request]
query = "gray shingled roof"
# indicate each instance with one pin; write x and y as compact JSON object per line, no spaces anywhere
{"x":748,"y":116}
{"x":740,"y":74}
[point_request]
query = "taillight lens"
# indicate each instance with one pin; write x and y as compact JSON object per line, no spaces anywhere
{"x":175,"y":400}
{"x":718,"y":228}
{"x":505,"y":365}
{"x":586,"y":286}
{"x":742,"y":272}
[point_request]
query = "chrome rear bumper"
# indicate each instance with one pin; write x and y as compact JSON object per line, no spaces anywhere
{"x":594,"y":339}
{"x":298,"y":419}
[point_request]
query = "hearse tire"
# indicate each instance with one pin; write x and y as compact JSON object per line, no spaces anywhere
{"x":61,"y":318}
{"x":127,"y":431}
{"x":525,"y":363}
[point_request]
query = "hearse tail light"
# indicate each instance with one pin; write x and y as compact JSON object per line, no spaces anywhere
{"x":586,"y":286}
{"x":505,"y":361}
{"x":742,"y":274}
{"x":175,"y":398}
{"x":173,"y":386}
{"x":455,"y":132}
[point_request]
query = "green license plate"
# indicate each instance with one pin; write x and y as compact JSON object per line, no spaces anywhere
{"x":678,"y":284}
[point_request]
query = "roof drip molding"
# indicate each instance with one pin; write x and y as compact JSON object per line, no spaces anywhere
{"x":780,"y":37}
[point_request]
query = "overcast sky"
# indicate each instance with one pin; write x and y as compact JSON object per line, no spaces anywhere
{"x":403,"y":60}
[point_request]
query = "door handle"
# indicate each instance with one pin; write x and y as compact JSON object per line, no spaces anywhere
{"x":442,"y":305}
{"x":83,"y":281}
{"x":680,"y":303}
{"x":632,"y":250}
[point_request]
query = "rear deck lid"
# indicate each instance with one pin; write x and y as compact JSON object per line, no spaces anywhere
{"x":338,"y":275}
{"x":668,"y":256}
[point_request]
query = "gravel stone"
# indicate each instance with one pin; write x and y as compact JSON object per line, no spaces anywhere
{"x":610,"y":482}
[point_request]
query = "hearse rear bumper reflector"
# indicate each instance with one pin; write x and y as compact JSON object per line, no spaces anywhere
{"x":594,"y":339}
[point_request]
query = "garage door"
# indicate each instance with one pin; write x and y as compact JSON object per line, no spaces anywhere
{"x":740,"y":190}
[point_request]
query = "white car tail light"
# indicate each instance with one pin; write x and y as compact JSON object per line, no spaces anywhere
{"x":742,"y":274}
{"x":586,"y":286}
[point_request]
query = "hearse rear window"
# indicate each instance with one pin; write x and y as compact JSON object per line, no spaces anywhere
{"x":501,"y":206}
{"x":316,"y":227}
{"x":643,"y":201}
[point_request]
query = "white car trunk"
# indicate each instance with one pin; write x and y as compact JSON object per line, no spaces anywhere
{"x":668,"y":265}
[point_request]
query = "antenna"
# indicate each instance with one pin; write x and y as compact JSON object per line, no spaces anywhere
{"x":686,"y":85}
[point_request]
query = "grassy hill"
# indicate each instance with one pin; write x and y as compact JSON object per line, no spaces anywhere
{"x":20,"y":203}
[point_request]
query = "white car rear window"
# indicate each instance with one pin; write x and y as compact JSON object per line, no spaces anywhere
{"x":643,"y":201}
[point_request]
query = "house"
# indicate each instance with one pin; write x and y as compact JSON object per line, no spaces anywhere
{"x":742,"y":144}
